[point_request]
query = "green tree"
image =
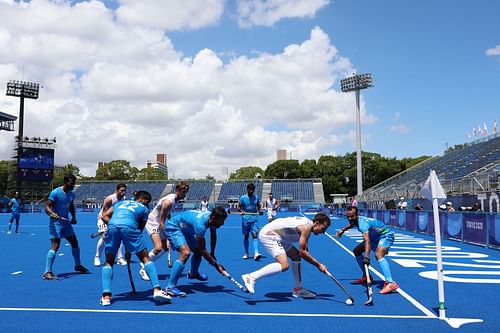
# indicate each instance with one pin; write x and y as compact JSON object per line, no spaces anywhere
{"x":249,"y":172}
{"x":117,"y":170}
{"x":150,"y":174}
{"x":7,"y":178}
{"x":308,"y":169}
{"x":60,"y":172}
{"x":284,"y":169}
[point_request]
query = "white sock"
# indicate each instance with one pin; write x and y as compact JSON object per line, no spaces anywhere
{"x":267,"y":270}
{"x":297,"y":274}
{"x":99,"y":247}
{"x":120,"y":251}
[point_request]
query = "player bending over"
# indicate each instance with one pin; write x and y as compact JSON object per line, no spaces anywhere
{"x":125,"y":221}
{"x":377,"y":236}
{"x":277,"y":238}
{"x":186,"y":233}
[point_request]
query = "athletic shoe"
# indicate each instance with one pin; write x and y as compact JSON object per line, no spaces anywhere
{"x":105,"y":301}
{"x":82,"y":269}
{"x":9,"y":232}
{"x":257,"y":256}
{"x":389,"y":288}
{"x":302,"y":292}
{"x":49,"y":276}
{"x":175,"y":292}
{"x":121,"y":261}
{"x":361,"y":280}
{"x":249,"y":283}
{"x":97,"y":262}
{"x":161,"y":297}
{"x":144,"y":274}
{"x":198,"y":276}
{"x":245,"y":256}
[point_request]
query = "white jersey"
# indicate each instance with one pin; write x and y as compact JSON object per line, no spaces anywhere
{"x":271,"y":204}
{"x":114,"y":199}
{"x":285,"y":228}
{"x":204,"y":205}
{"x":153,"y":223}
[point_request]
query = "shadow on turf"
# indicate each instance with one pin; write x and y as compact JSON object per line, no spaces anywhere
{"x":207,"y":288}
{"x":279,"y":297}
{"x":63,"y":276}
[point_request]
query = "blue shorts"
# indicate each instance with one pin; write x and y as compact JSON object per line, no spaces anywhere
{"x":131,"y":237}
{"x":15,"y":216}
{"x":250,"y":227}
{"x":58,"y":229}
{"x":178,"y":238}
{"x":386,"y":240}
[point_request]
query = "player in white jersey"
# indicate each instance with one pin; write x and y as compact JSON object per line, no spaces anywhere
{"x":156,"y":222}
{"x":108,"y":202}
{"x":272,"y":206}
{"x":204,"y":204}
{"x":277,"y":238}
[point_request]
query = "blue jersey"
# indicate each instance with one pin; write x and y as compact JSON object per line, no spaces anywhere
{"x":62,"y":201}
{"x":249,"y":205}
{"x":127,"y":213}
{"x":193,"y":222}
{"x":15,"y":205}
{"x":375,"y":228}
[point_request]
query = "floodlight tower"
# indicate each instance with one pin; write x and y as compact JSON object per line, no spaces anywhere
{"x":356,"y":83}
{"x":22,"y":90}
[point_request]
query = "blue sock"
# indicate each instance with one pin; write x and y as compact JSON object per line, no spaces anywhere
{"x":359,"y":260}
{"x":245,"y":245}
{"x":384,"y":264}
{"x":107,"y":278}
{"x":150,"y":268}
{"x":76,"y":255}
{"x":255,"y":246}
{"x":49,"y":262}
{"x":175,"y":273}
{"x":195,"y":264}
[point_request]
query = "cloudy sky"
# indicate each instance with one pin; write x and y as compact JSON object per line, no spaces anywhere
{"x":225,"y":83}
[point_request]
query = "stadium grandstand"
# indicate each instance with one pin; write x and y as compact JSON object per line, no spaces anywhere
{"x":466,"y":173}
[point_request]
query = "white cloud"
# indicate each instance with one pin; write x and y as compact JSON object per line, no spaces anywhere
{"x":494,"y":51}
{"x":399,"y":128}
{"x":172,"y":14}
{"x":268,"y":12}
{"x":126,"y":93}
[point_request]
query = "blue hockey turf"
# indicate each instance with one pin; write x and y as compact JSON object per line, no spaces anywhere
{"x":30,"y":304}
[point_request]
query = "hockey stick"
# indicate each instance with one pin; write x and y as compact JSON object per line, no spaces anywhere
{"x":97,"y":234}
{"x":236,"y":283}
{"x":369,"y":290}
{"x":131,"y":280}
{"x":349,"y":300}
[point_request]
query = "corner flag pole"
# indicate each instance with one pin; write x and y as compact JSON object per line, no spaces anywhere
{"x":435,"y":185}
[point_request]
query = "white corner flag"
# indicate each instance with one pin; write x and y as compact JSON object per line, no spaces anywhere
{"x":433,"y":191}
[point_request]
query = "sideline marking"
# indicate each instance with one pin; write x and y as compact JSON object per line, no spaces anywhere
{"x":16,"y":273}
{"x":218,"y":313}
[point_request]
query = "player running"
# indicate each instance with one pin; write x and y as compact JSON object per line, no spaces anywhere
{"x":58,"y":205}
{"x":377,"y":236}
{"x":15,"y":207}
{"x":125,"y":221}
{"x":277,"y":238}
{"x":156,"y":223}
{"x":250,"y":203}
{"x":109,"y":201}
{"x":186,"y":234}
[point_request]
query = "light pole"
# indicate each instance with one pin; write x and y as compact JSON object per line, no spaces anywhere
{"x":356,"y":83}
{"x":22,"y":90}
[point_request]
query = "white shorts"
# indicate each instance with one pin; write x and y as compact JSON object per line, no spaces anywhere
{"x":273,"y":243}
{"x":154,"y":228}
{"x":101,"y":226}
{"x":271,"y":214}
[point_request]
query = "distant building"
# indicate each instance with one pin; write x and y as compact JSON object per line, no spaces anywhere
{"x":281,"y":154}
{"x":160,"y":164}
{"x":100,"y":164}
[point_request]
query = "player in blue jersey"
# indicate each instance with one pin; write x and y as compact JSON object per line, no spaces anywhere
{"x":126,"y":220}
{"x":377,"y":236}
{"x":58,"y":205}
{"x":186,"y":234}
{"x":250,"y":203}
{"x":15,"y":207}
